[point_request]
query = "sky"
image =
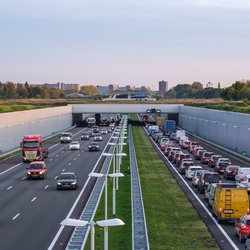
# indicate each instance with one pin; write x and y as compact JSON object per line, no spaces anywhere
{"x":121,"y":42}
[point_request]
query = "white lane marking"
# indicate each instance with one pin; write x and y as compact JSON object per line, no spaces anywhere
{"x":46,"y":187}
{"x":198,"y":199}
{"x":57,"y":155}
{"x":56,"y":177}
{"x":63,"y":170}
{"x":79,"y":154}
{"x":23,"y":178}
{"x":77,"y":200}
{"x":69,"y":164}
{"x":50,"y":159}
{"x":9,"y":188}
{"x":33,"y":199}
{"x":62,"y":152}
{"x":10,"y":168}
{"x":15,"y":216}
{"x":54,"y":145}
{"x":74,"y":159}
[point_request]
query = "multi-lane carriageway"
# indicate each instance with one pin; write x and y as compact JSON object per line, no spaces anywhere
{"x":223,"y":233}
{"x":31,"y":211}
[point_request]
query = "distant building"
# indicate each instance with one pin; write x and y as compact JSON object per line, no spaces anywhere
{"x":64,"y":86}
{"x":163,"y":87}
{"x":209,"y":85}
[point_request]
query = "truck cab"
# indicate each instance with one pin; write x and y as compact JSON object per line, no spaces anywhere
{"x":32,"y":148}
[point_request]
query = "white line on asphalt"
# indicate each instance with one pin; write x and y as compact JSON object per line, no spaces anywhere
{"x":79,"y":154}
{"x":9,"y":188}
{"x":34,"y":199}
{"x":10,"y":168}
{"x":198,"y":199}
{"x":74,"y":159}
{"x":76,"y":201}
{"x":63,"y":170}
{"x":69,"y":164}
{"x":56,"y":177}
{"x":15,"y":216}
{"x":57,"y":155}
{"x":54,"y":146}
{"x":50,"y":159}
{"x":46,"y":187}
{"x":23,"y":178}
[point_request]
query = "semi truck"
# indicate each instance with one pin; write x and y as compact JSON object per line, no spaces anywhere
{"x":32,"y":148}
{"x":169,"y":126}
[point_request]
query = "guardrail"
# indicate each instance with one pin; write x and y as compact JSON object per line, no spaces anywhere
{"x":139,"y":227}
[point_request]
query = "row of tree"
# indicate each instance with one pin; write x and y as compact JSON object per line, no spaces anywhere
{"x":194,"y":90}
{"x":23,"y":91}
{"x":238,"y":91}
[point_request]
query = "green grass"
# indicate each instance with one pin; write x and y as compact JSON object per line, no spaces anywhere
{"x":11,"y":108}
{"x":119,"y":237}
{"x":172,"y":221}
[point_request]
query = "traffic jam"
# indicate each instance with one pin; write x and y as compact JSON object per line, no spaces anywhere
{"x":223,"y":185}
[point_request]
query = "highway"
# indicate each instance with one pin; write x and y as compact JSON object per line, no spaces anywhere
{"x":31,"y":210}
{"x":215,"y":229}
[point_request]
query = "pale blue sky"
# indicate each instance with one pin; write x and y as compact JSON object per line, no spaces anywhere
{"x":125,"y":42}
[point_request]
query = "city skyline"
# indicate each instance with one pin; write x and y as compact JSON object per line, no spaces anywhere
{"x":136,"y":43}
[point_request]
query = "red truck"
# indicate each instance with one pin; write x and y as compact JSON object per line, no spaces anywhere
{"x":32,"y":148}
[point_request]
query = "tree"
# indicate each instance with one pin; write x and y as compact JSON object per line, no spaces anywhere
{"x":197,"y":85}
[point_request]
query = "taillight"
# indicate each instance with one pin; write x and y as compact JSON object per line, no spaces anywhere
{"x":203,"y":181}
{"x":220,"y":181}
{"x":220,"y":210}
{"x":248,"y":211}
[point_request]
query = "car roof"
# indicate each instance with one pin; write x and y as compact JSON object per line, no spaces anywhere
{"x":67,"y":173}
{"x":73,"y":142}
{"x":37,"y":162}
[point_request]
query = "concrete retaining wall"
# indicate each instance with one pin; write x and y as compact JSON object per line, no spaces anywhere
{"x":40,"y":121}
{"x":228,"y":129}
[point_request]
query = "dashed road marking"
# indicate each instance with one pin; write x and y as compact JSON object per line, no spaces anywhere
{"x":15,"y":216}
{"x":50,"y":159}
{"x":69,"y":164}
{"x":74,"y":159}
{"x":63,"y":170}
{"x":56,"y":177}
{"x":9,"y":188}
{"x":46,"y":187}
{"x":23,"y":178}
{"x":57,"y":155}
{"x":33,"y":199}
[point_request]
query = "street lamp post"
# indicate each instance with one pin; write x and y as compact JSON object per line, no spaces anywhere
{"x":98,"y":175}
{"x":101,"y":223}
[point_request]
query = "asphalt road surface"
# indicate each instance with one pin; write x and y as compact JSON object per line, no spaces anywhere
{"x":31,"y":210}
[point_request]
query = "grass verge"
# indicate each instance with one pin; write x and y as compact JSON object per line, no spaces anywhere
{"x":119,"y":237}
{"x":172,"y":221}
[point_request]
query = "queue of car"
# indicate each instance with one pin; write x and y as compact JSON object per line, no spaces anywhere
{"x":228,"y":201}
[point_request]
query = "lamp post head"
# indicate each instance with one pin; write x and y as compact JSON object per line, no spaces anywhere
{"x":96,"y":175}
{"x":74,"y":222}
{"x":107,"y":154}
{"x":110,"y":223}
{"x":116,"y":175}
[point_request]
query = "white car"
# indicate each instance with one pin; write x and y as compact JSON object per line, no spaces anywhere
{"x":245,"y":182}
{"x":189,"y":174}
{"x":98,"y":137}
{"x":104,"y":131}
{"x":242,"y":172}
{"x":74,"y":145}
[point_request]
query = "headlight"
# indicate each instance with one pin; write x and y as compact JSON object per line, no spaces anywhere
{"x":59,"y":183}
{"x":41,"y":172}
{"x":97,"y":146}
{"x":73,"y":183}
{"x":28,"y":173}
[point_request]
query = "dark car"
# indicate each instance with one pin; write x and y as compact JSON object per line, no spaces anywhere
{"x":206,"y":179}
{"x":85,"y":136}
{"x":67,"y":180}
{"x":231,"y":171}
{"x":181,"y":157}
{"x":95,"y":129}
{"x":94,"y":146}
{"x":221,"y":167}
